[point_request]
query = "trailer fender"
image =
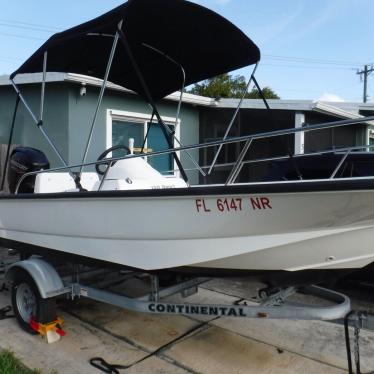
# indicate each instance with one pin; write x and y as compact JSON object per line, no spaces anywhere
{"x":43,"y":273}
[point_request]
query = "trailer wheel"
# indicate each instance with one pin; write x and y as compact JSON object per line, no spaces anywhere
{"x":27,"y":303}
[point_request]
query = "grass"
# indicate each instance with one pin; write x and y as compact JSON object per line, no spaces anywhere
{"x":9,"y":364}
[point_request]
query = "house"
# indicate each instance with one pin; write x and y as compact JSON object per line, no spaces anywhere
{"x":253,"y":118}
{"x":71,"y":101}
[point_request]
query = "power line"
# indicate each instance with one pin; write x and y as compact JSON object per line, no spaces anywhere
{"x":297,"y":90}
{"x":313,"y":60}
{"x":25,"y":27}
{"x":7,"y":61}
{"x":10,"y":59}
{"x":307,"y":67}
{"x":21,"y":36}
{"x":50,"y":29}
{"x":21,"y":23}
{"x":324,"y":64}
{"x":366,"y":72}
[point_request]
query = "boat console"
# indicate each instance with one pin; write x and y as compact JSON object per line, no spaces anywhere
{"x":137,"y":174}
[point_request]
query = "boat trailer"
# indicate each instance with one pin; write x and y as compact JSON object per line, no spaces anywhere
{"x":35,"y":281}
{"x":50,"y":285}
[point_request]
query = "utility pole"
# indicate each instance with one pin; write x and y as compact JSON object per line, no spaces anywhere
{"x":365,"y":73}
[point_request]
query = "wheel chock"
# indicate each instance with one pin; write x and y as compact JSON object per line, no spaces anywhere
{"x":52,"y":331}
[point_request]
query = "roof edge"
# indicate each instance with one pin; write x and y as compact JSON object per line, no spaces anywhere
{"x":35,"y":78}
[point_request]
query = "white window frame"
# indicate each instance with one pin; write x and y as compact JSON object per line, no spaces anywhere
{"x":142,"y":119}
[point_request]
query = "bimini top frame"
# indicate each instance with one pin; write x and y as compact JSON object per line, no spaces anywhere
{"x":161,"y":64}
{"x":211,"y":47}
{"x":247,"y":139}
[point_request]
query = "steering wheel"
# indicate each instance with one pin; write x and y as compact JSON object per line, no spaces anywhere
{"x":105,"y":153}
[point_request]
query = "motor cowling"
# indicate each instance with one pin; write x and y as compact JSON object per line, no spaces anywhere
{"x":25,"y":160}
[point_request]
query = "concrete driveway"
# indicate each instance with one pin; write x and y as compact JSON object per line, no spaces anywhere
{"x":177,"y":344}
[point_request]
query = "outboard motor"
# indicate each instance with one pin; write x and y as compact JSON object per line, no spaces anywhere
{"x":24,"y":160}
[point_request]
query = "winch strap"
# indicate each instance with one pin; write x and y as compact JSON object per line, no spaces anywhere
{"x":101,"y":364}
{"x":4,"y":312}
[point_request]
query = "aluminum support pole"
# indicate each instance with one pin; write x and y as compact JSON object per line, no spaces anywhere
{"x":24,"y":102}
{"x":340,"y":164}
{"x":10,"y":142}
{"x":101,"y":95}
{"x":150,"y":101}
{"x":239,"y":163}
{"x":40,"y":126}
{"x":179,"y":103}
{"x":232,"y":120}
{"x":244,"y":138}
{"x":43,"y":85}
{"x":50,"y":142}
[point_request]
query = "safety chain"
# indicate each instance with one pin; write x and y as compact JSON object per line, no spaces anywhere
{"x":356,"y":346}
{"x":357,"y":321}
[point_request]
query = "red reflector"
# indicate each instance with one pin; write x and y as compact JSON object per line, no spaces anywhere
{"x":60,"y":332}
{"x":34,"y":325}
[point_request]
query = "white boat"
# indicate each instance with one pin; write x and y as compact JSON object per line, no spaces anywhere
{"x":284,"y":231}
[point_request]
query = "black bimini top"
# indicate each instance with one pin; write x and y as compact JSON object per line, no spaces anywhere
{"x":202,"y":41}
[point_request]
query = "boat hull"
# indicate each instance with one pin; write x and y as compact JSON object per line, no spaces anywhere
{"x":242,"y":229}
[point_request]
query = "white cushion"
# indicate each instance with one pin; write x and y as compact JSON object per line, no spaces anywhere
{"x":62,"y":182}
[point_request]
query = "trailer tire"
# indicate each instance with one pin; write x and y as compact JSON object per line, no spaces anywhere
{"x":27,"y":303}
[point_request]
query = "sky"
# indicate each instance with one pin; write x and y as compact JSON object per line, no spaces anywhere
{"x":310,"y":49}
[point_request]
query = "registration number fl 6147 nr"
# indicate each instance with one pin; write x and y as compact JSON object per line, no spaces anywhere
{"x":232,"y":204}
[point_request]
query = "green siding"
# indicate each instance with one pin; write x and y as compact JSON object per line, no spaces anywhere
{"x":68,"y":117}
{"x":26,"y":132}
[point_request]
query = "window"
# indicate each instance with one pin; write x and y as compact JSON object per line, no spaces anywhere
{"x":371,"y":139}
{"x":229,"y":152}
{"x":122,"y":131}
{"x":121,"y":126}
{"x":157,"y":142}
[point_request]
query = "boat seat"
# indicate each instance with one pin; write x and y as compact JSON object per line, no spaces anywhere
{"x":63,"y":182}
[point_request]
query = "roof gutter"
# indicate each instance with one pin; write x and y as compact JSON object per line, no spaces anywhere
{"x":324,"y":108}
{"x":35,"y":78}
